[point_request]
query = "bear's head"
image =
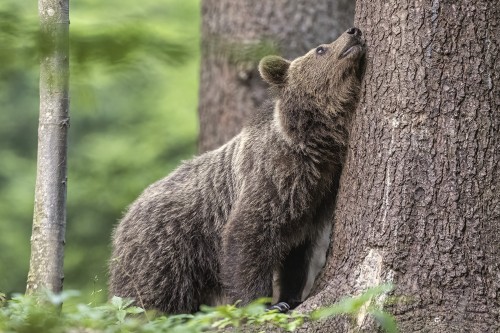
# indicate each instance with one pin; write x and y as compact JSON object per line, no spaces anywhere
{"x":319,"y":89}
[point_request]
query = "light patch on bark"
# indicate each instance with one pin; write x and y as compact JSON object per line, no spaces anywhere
{"x":370,"y":274}
{"x":388,"y":182}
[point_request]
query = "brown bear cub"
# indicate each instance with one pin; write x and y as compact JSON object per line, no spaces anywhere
{"x":220,"y":225}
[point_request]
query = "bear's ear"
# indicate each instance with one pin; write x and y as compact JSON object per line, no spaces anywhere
{"x":273,"y":69}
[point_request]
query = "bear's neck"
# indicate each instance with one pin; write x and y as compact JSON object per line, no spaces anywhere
{"x":319,"y":133}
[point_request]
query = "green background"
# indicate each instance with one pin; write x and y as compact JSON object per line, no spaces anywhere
{"x":134,"y":92}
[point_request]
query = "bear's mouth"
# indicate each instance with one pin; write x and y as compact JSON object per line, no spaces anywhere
{"x":354,"y":47}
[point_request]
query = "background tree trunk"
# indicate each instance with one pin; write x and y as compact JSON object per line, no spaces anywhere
{"x":419,"y":203}
{"x":236,"y":34}
{"x":49,"y":220}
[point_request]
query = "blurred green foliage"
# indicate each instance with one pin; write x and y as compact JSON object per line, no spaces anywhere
{"x":23,"y":314}
{"x":134,"y":85}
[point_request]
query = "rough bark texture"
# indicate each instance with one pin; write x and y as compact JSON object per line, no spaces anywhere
{"x":230,"y":87}
{"x":419,"y":203}
{"x":49,"y":220}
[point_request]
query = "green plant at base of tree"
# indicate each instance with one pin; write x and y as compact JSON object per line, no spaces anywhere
{"x":27,"y":314}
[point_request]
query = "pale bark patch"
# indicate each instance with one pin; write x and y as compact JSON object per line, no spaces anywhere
{"x":370,"y":274}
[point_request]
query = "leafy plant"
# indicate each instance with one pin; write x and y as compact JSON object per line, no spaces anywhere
{"x":43,"y":314}
{"x":363,"y":303}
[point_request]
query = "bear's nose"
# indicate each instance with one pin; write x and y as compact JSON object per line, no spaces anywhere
{"x":354,"y":31}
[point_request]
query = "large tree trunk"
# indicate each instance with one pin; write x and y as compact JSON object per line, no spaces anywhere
{"x":49,"y":220}
{"x":235,"y":34}
{"x":419,"y":203}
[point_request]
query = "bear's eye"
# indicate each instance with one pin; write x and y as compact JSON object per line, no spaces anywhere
{"x":320,"y":50}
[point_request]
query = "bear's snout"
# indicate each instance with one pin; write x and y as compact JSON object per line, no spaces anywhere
{"x":354,"y":31}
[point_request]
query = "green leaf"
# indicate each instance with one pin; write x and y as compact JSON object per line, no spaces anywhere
{"x":134,"y":310}
{"x":386,"y":320}
{"x":351,"y":305}
{"x":120,"y":315}
{"x":117,"y":302}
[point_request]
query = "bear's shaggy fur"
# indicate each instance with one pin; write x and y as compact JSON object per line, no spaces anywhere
{"x":221,"y":224}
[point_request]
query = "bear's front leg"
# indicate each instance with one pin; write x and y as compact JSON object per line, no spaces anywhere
{"x":250,"y":254}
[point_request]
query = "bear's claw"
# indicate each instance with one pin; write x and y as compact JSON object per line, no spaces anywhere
{"x":282,"y":307}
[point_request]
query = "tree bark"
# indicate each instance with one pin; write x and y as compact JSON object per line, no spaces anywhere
{"x":49,"y":219}
{"x":419,"y":203}
{"x":235,"y":35}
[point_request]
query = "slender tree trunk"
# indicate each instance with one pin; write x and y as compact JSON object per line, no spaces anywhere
{"x":49,"y":220}
{"x":419,"y":203}
{"x":236,"y":34}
